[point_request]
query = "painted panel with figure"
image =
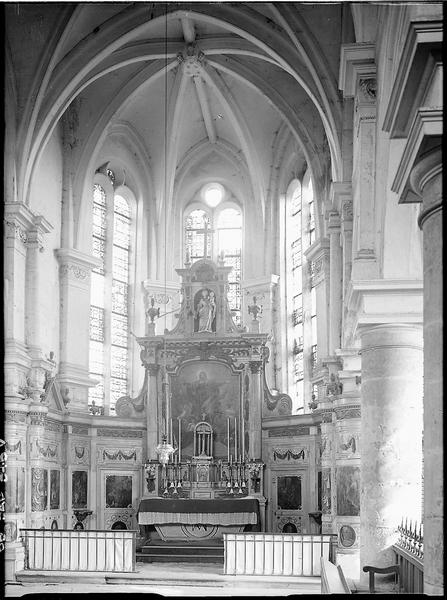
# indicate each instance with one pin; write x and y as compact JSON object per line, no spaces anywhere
{"x":348,"y":491}
{"x":15,"y":490}
{"x":205,"y":391}
{"x":39,"y":489}
{"x":79,"y":489}
{"x":289,"y":493}
{"x":118,"y":491}
{"x":55,"y":484}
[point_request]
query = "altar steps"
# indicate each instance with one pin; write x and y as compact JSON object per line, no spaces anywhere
{"x":188,"y":551}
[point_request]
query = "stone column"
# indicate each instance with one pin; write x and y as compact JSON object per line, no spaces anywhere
{"x":391,"y":434}
{"x":335,"y":281}
{"x":74,"y":276}
{"x":255,"y":410}
{"x":35,"y":285}
{"x":17,"y":219}
{"x":16,"y":488}
{"x":152,"y":416}
{"x":358,"y":81}
{"x":426,"y":180}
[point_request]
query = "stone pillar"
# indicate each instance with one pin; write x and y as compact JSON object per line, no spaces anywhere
{"x":35,"y":285}
{"x":18,"y":219}
{"x":391,"y":434}
{"x":74,"y":276}
{"x":426,"y":180}
{"x":335,"y":281}
{"x":152,"y":414}
{"x":358,"y":81}
{"x":16,"y":489}
{"x":255,"y":410}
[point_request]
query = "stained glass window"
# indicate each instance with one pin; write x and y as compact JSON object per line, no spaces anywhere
{"x":109,"y":324}
{"x":212,"y":234}
{"x":229,"y":243}
{"x":198,"y":229}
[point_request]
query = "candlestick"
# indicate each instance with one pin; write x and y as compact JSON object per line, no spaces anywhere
{"x":228,"y":438}
{"x":235,"y":439}
{"x":179,"y":439}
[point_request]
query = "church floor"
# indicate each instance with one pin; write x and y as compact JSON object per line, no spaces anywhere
{"x":166,"y":579}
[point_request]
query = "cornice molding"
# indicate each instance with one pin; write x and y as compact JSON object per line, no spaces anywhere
{"x":421,"y":53}
{"x":356,"y":61}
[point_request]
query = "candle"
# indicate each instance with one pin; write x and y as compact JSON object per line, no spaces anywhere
{"x":228,"y":439}
{"x":235,"y":439}
{"x":179,"y":439}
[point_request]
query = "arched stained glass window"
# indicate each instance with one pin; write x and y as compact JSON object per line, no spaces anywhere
{"x":301,"y":334}
{"x":229,"y":244}
{"x":198,"y":234}
{"x":109,"y":318}
{"x":214,"y":232}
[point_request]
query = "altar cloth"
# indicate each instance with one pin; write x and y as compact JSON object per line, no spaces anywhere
{"x":157,"y":511}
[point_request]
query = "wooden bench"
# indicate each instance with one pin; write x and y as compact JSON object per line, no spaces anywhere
{"x":383,"y":571}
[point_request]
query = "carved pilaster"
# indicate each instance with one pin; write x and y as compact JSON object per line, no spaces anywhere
{"x":74,"y":279}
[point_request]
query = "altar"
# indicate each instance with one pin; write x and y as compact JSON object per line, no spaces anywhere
{"x":198,"y":518}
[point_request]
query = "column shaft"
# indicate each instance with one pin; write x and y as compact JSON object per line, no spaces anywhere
{"x":391,"y":434}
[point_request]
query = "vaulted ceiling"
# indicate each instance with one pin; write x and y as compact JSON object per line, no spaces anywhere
{"x":204,"y":91}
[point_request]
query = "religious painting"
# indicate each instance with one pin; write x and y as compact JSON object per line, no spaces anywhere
{"x":39,"y":489}
{"x":55,"y":484}
{"x":15,"y":490}
{"x":118,"y":491}
{"x":289,"y":492}
{"x":206,"y":391}
{"x":348,"y":491}
{"x":79,"y":489}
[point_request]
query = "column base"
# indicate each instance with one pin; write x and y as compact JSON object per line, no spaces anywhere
{"x":14,"y":560}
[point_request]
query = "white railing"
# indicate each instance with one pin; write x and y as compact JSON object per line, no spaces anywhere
{"x":276,"y":553}
{"x":79,"y":550}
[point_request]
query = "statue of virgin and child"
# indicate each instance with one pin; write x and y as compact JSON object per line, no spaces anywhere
{"x":206,"y":311}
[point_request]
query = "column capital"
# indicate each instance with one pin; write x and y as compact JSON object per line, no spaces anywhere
{"x":162,"y":292}
{"x":382,"y":302}
{"x":75,"y":264}
{"x":255,"y":366}
{"x":259,"y":286}
{"x":153,"y":369}
{"x":357,"y":64}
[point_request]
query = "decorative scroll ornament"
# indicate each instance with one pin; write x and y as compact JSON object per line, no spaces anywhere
{"x":288,"y":454}
{"x":131,"y":407}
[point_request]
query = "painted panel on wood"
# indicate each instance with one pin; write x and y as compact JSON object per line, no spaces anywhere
{"x":39,"y":489}
{"x":289,"y":492}
{"x":15,"y":490}
{"x":55,"y":484}
{"x":205,"y":391}
{"x":79,"y":489}
{"x":348,"y":491}
{"x":118,"y":491}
